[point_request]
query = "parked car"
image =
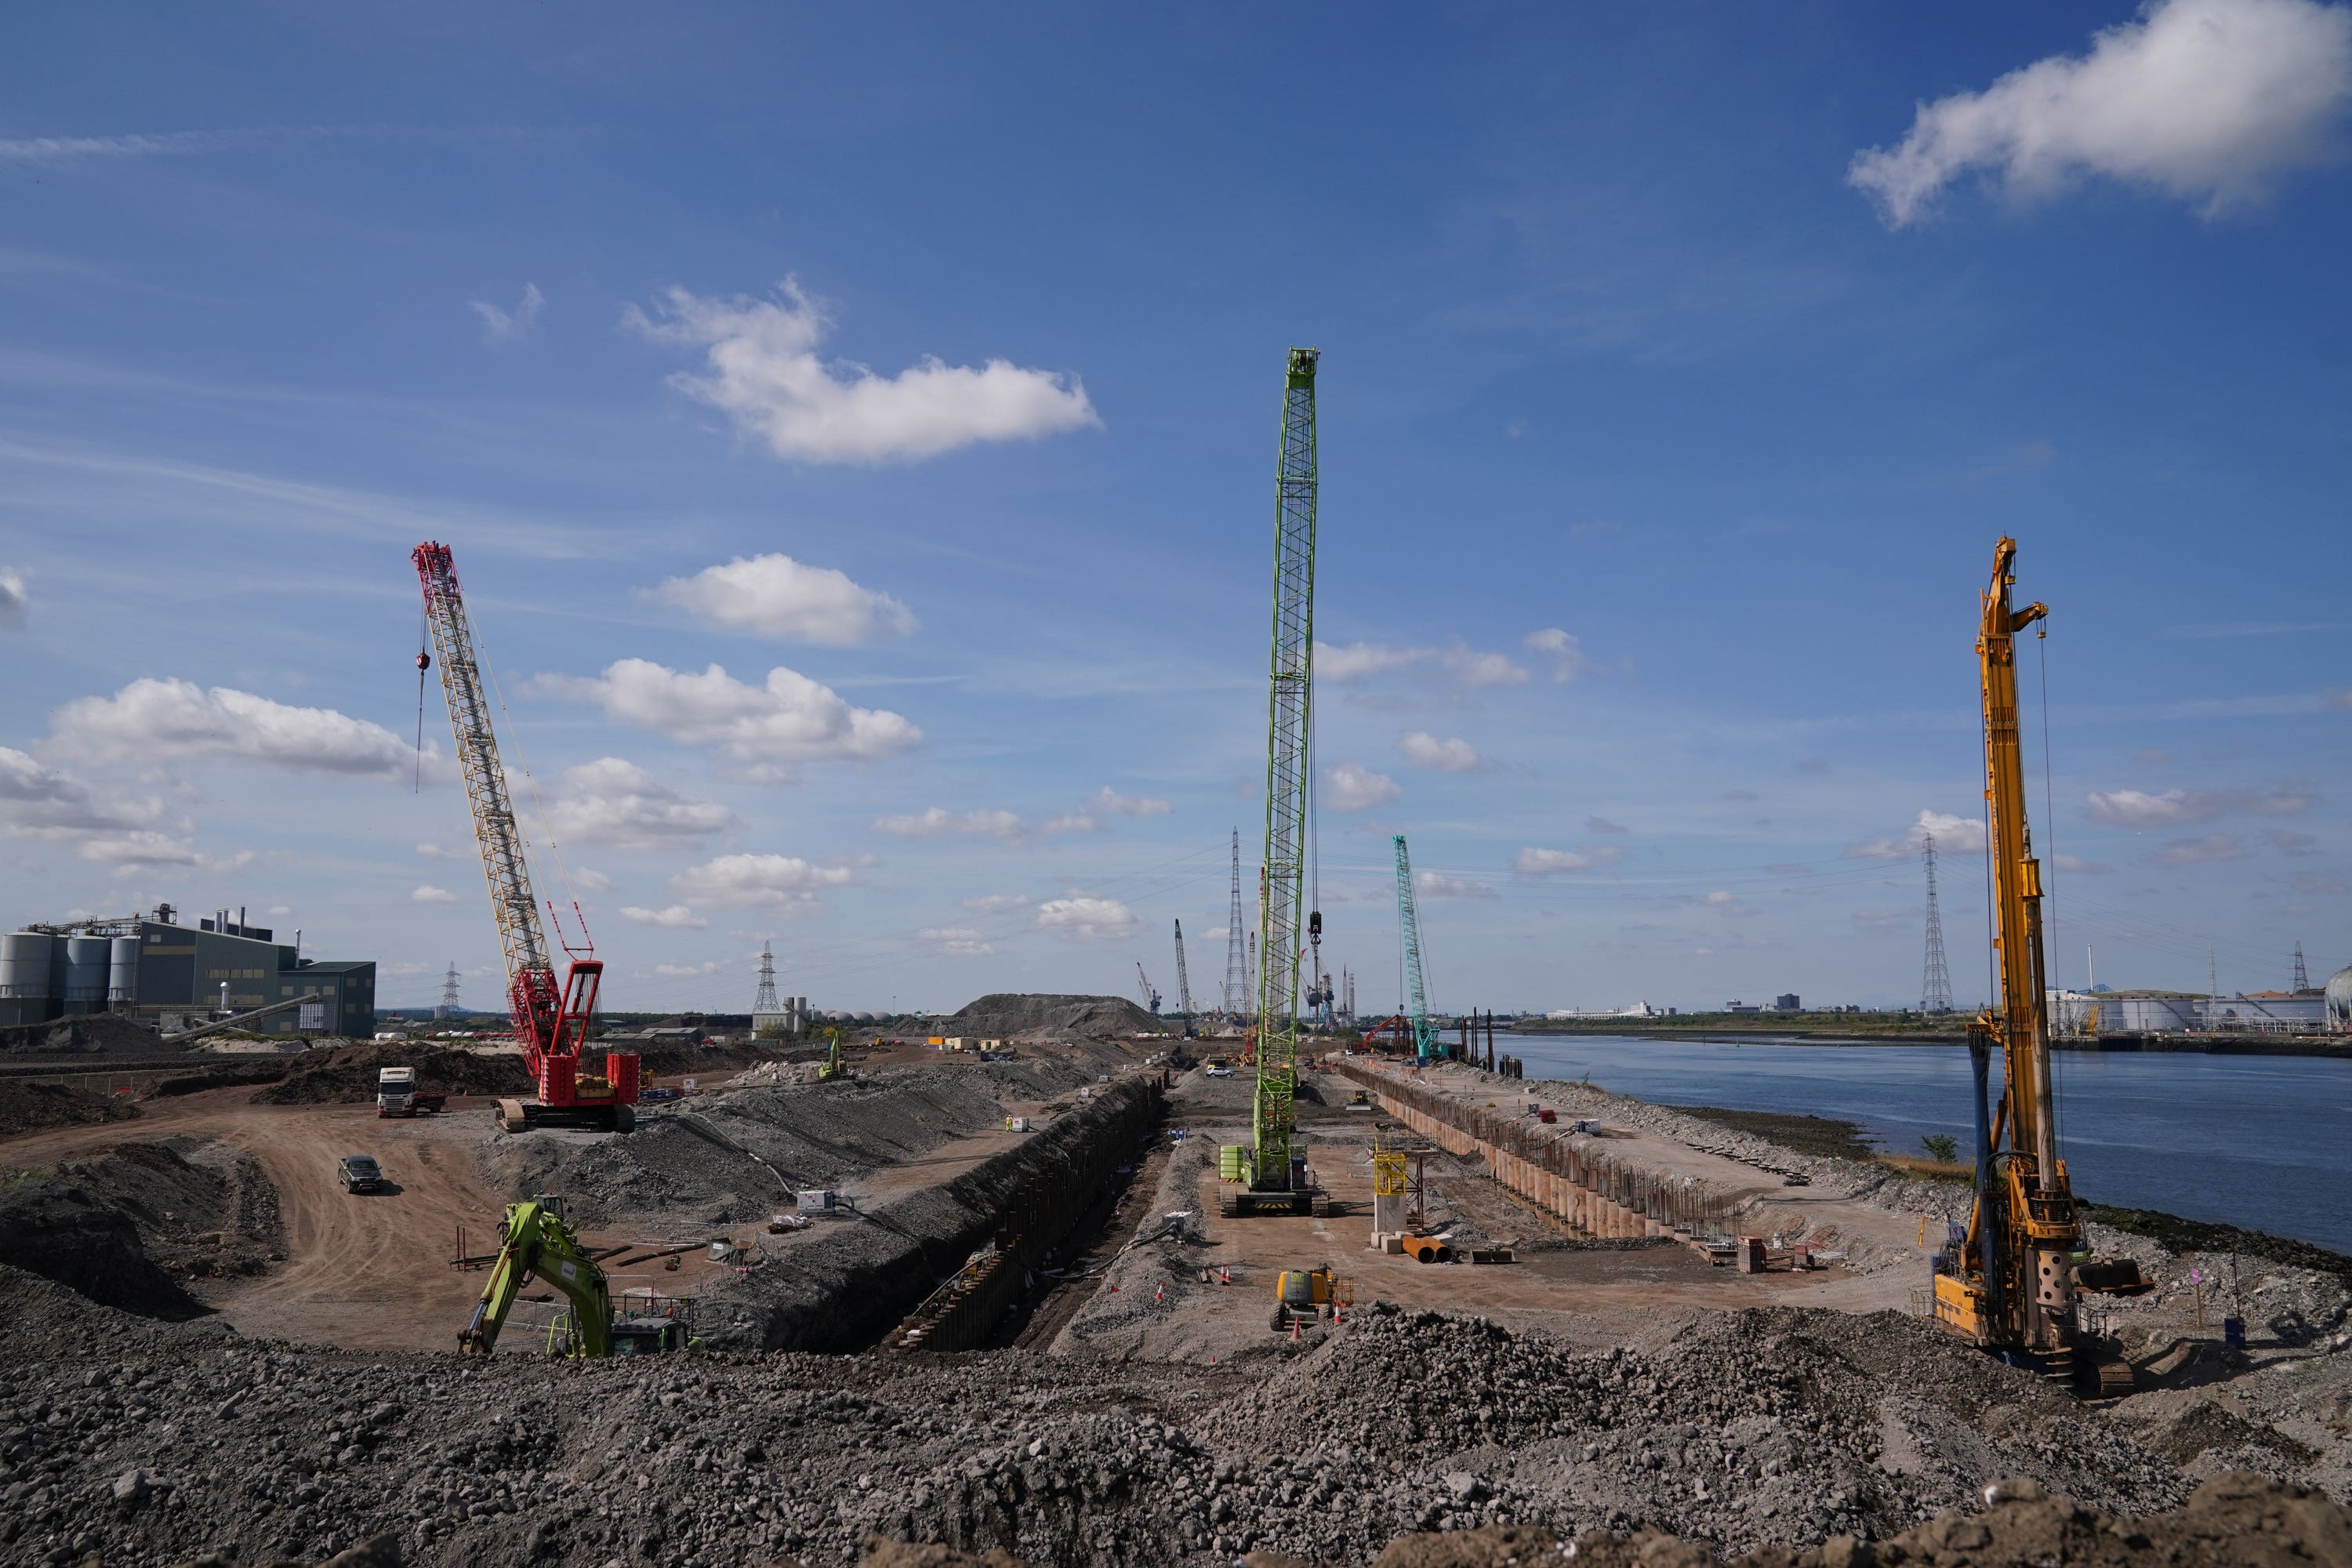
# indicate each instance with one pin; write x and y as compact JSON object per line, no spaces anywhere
{"x":360,"y":1174}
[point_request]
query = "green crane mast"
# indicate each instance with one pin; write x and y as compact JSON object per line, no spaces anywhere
{"x":1424,"y":1033}
{"x":1283,"y":921}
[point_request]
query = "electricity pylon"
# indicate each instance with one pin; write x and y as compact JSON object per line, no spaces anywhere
{"x":1935,"y":979}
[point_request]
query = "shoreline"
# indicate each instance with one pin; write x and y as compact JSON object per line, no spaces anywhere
{"x":2323,"y":1046}
{"x":1837,"y":1137}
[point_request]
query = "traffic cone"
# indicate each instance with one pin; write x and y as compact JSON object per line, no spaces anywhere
{"x":1161,"y":1293}
{"x":1294,"y":1328}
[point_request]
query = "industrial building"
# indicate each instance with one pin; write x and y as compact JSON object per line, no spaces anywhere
{"x":154,"y":969}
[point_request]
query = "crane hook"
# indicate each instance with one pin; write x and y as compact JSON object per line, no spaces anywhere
{"x":423,"y":661}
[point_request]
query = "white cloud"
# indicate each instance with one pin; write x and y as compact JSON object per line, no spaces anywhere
{"x":434,"y":852}
{"x":15,"y":602}
{"x":777,"y":596}
{"x":1534,"y":862}
{"x":737,"y":881}
{"x":2178,"y":807}
{"x":1565,"y":650}
{"x":1953,"y":835}
{"x":2202,"y":851}
{"x":937,"y":821}
{"x":131,"y":851}
{"x":685,"y":970}
{"x":676,"y":916}
{"x":614,"y":800}
{"x":594,"y":880}
{"x":427,"y":893}
{"x":1093,"y":919}
{"x":511,"y":326}
{"x":956,"y":941}
{"x":152,"y":721}
{"x":1351,"y":786}
{"x":279,"y":911}
{"x":789,"y":719}
{"x":995,"y":904}
{"x":765,"y":373}
{"x":1069,"y":822}
{"x":1118,"y":805}
{"x":1472,"y":668}
{"x":1355,"y":661}
{"x":2209,"y":101}
{"x":1433,"y":884}
{"x":40,"y":801}
{"x":1453,"y":755}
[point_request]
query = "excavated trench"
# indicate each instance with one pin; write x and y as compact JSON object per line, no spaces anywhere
{"x":905,"y":1275}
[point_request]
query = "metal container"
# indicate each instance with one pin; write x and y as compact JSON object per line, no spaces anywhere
{"x":24,"y":965}
{"x":87,"y":958}
{"x":122,"y":972}
{"x":816,"y":1200}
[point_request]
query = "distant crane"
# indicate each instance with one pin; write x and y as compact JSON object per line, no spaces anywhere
{"x":550,"y":1023}
{"x":1144,"y":990}
{"x":1184,"y":979}
{"x":1270,"y":1184}
{"x":1424,"y":1033}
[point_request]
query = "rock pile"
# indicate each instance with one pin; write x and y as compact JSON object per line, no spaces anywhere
{"x":347,"y":1074}
{"x":131,"y":1226}
{"x":1009,"y":1012}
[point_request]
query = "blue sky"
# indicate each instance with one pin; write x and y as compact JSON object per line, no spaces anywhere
{"x":921,"y":372}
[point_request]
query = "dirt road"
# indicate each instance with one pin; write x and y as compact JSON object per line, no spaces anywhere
{"x":369,"y":1271}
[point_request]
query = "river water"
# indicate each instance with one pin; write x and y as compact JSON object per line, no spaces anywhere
{"x":2264,"y":1142}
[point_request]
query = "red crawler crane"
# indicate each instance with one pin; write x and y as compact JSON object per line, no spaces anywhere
{"x":553,"y":1023}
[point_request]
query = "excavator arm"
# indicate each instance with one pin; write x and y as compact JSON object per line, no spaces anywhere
{"x":540,"y":1244}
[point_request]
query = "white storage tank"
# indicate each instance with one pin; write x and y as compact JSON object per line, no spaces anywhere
{"x":24,"y":965}
{"x":87,"y":958}
{"x":122,"y":972}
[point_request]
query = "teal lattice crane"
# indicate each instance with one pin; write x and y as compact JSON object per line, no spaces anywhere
{"x":1424,"y":1033}
{"x":1283,"y":917}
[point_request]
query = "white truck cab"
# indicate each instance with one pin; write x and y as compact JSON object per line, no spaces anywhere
{"x":395,"y":1091}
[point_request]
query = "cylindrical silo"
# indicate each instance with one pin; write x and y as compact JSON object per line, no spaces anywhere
{"x":87,"y":958}
{"x":122,"y":973}
{"x":25,"y":988}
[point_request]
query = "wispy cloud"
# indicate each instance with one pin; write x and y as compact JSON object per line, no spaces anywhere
{"x":1953,"y":835}
{"x":50,"y":150}
{"x":2180,"y":807}
{"x":500,"y":327}
{"x":16,"y":603}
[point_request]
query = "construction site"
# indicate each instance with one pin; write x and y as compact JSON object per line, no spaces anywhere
{"x":1062,"y":1279}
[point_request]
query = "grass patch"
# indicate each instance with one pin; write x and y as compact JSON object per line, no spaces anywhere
{"x":2179,"y":1235}
{"x":1827,"y":1136}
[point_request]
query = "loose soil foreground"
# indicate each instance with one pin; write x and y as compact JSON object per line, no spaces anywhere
{"x":284,"y":1395}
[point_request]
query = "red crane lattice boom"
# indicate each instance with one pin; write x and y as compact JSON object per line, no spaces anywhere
{"x":550,"y":1021}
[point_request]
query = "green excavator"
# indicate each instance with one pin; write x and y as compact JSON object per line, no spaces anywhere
{"x":536,"y":1242}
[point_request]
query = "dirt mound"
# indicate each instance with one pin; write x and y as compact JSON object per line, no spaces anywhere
{"x":126,"y":1226}
{"x":89,"y":1034}
{"x":1008,"y":1013}
{"x":693,"y":1159}
{"x":30,"y":1107}
{"x":347,"y":1075}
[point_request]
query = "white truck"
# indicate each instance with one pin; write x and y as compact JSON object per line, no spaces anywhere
{"x":396,"y":1094}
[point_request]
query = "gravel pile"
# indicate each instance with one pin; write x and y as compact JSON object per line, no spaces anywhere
{"x":33,"y":1107}
{"x":1011,"y":1013}
{"x":693,"y":1159}
{"x":347,"y":1075}
{"x":154,"y":1444}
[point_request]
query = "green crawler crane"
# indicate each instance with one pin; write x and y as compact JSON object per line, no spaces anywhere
{"x":1273,"y":1181}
